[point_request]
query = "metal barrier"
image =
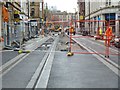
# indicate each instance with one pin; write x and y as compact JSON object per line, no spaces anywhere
{"x":106,"y":39}
{"x":17,"y":33}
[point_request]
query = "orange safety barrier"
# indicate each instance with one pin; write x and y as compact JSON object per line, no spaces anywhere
{"x":108,"y":37}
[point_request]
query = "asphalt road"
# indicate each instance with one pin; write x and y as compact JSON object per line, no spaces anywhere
{"x":8,"y":55}
{"x":99,"y":48}
{"x":21,"y":74}
{"x":80,"y":71}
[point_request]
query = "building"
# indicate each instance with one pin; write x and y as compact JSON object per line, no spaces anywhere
{"x":1,"y":18}
{"x":64,"y":17}
{"x":81,"y":12}
{"x":34,"y":17}
{"x":14,"y":28}
{"x":103,"y":10}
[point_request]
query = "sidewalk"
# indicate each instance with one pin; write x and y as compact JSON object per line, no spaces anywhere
{"x":26,"y":43}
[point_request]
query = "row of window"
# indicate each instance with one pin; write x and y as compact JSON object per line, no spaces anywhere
{"x":108,"y":2}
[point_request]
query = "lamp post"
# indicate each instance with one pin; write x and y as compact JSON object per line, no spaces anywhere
{"x":1,"y":19}
{"x":89,"y":17}
{"x":28,"y":20}
{"x":43,"y":17}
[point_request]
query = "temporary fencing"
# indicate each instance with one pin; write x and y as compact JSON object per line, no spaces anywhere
{"x":17,"y":32}
{"x":104,"y":48}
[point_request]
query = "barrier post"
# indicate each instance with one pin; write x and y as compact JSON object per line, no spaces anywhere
{"x":70,"y":39}
{"x":107,"y":44}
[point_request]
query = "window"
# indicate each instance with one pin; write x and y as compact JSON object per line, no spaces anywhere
{"x":119,"y":5}
{"x":109,"y":2}
{"x":106,"y":2}
{"x":33,"y":3}
{"x":32,"y":12}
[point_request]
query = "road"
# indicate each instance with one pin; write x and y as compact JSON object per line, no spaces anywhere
{"x":52,"y":68}
{"x":99,"y":47}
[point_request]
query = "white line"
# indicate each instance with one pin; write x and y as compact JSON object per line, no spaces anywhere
{"x":103,"y":46}
{"x":108,"y":60}
{"x":13,"y":65}
{"x":10,"y":62}
{"x":9,"y":65}
{"x":37,"y":72}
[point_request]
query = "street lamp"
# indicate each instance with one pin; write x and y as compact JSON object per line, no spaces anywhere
{"x":89,"y":17}
{"x":75,"y":17}
{"x":28,"y":19}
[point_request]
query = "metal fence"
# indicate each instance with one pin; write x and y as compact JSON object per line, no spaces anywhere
{"x":19,"y":32}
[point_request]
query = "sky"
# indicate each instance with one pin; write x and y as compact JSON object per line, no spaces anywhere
{"x":63,"y":5}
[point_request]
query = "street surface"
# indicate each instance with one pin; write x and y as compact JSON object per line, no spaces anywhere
{"x":48,"y":66}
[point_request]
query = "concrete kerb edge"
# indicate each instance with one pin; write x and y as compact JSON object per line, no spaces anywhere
{"x":44,"y":78}
{"x":16,"y":59}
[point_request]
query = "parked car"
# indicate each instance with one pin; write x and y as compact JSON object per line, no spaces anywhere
{"x":117,"y":42}
{"x":85,"y":33}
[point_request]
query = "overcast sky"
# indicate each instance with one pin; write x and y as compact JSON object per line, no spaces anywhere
{"x":63,"y":5}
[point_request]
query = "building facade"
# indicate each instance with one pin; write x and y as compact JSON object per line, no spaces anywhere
{"x":81,"y":13}
{"x":64,"y":17}
{"x":34,"y":16}
{"x":15,"y":27}
{"x":103,"y":10}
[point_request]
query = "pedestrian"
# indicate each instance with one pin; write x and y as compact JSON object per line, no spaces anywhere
{"x":100,"y":31}
{"x":109,"y":35}
{"x":40,"y":31}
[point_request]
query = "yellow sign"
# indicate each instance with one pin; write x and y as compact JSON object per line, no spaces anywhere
{"x":81,"y":17}
{"x":16,"y":12}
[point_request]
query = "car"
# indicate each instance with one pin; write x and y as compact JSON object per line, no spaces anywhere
{"x":117,"y":42}
{"x":85,"y":33}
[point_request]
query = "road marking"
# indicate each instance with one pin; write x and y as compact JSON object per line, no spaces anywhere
{"x":13,"y":65}
{"x":7,"y":64}
{"x":13,"y":62}
{"x":103,"y":46}
{"x":37,"y":72}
